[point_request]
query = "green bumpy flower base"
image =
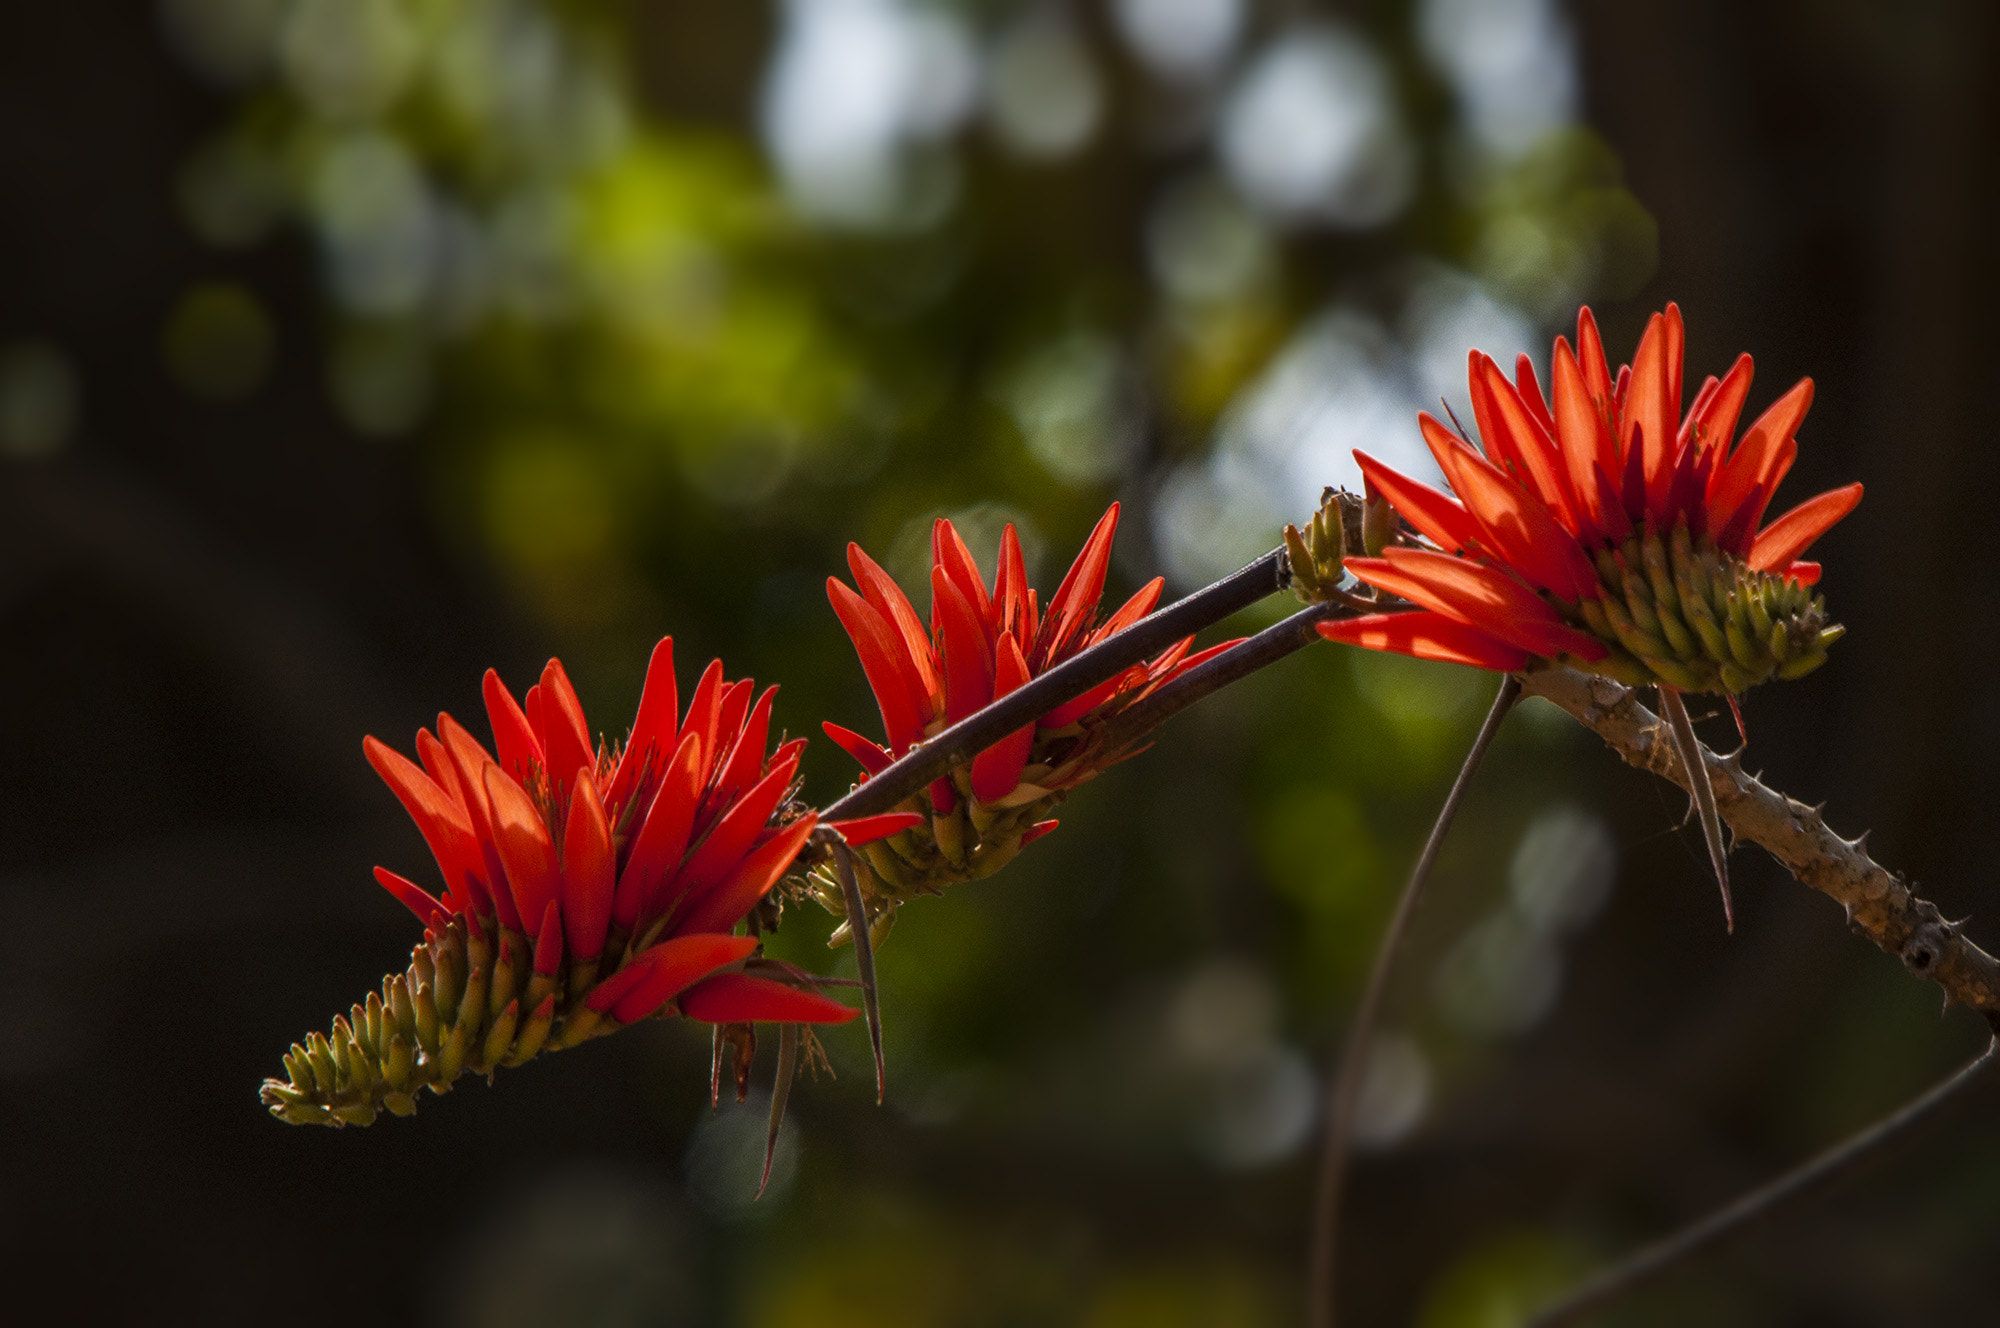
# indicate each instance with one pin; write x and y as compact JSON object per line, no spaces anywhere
{"x":457,"y":1010}
{"x":1679,"y":611}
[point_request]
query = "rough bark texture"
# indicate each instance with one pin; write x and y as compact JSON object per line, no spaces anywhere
{"x":1879,"y":903}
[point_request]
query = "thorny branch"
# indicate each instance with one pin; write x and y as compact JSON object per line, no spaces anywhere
{"x":1879,"y":903}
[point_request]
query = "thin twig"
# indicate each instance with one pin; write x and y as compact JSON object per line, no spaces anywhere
{"x":1212,"y":675}
{"x":1666,"y":1256}
{"x":1067,"y":681}
{"x":1879,"y":903}
{"x":1347,"y":1077}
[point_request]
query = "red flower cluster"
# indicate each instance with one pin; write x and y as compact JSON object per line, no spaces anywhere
{"x":979,"y":646}
{"x":584,"y":888}
{"x":1603,"y":528}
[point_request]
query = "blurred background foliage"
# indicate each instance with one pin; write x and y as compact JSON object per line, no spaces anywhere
{"x":350,"y":346}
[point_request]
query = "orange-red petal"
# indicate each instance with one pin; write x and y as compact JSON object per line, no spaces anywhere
{"x":1779,"y":543}
{"x":590,"y":870}
{"x":1438,"y":516}
{"x":663,"y":970}
{"x":526,"y":851}
{"x":996,"y":772}
{"x":878,"y":645}
{"x":1426,"y":635}
{"x":1478,"y":596}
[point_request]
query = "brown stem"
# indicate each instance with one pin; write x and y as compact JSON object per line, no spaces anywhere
{"x":1347,"y":1077}
{"x":1733,"y":1219}
{"x":1879,"y":903}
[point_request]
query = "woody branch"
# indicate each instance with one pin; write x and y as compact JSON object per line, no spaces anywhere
{"x":1879,"y":903}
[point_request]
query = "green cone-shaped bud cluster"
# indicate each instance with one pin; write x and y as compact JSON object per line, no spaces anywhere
{"x":1679,"y":611}
{"x":464,"y":1005}
{"x":1315,"y":553}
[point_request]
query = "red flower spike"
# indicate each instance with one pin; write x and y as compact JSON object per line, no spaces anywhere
{"x":672,"y":964}
{"x":590,"y":870}
{"x":733,"y":998}
{"x":1641,"y":528}
{"x":568,"y":861}
{"x":653,"y":737}
{"x":412,"y":896}
{"x":520,"y":752}
{"x":969,"y":823}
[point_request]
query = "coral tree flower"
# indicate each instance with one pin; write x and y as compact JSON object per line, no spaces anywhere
{"x":980,"y":645}
{"x":1602,"y":528}
{"x":584,"y":888}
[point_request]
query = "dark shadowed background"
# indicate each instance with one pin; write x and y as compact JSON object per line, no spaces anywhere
{"x":348,"y":347}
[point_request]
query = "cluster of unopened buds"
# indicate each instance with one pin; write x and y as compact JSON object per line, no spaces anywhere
{"x":589,"y":884}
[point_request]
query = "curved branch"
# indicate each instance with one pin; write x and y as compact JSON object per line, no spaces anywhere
{"x":1879,"y":903}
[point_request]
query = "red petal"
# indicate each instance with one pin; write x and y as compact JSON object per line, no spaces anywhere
{"x":1074,"y":604}
{"x":1440,"y":517}
{"x":1790,"y":535}
{"x":887,"y":598}
{"x":733,"y":998}
{"x":1132,"y":610}
{"x":949,"y":555}
{"x":996,"y":772}
{"x":1517,"y":528}
{"x":867,"y":829}
{"x":654,"y":727}
{"x":723,"y":907}
{"x":1759,"y":458}
{"x":967,"y":654}
{"x":725,"y":844}
{"x":746,"y":762}
{"x":1582,"y":437}
{"x":1036,"y":831}
{"x":670,"y":965}
{"x":520,"y":752}
{"x":1590,"y":358}
{"x":1502,"y":415}
{"x":872,"y":758}
{"x":565,"y":736}
{"x":1713,"y":420}
{"x":878,"y":646}
{"x":1479,"y":597}
{"x":1010,"y":589}
{"x":1652,"y":414}
{"x":704,"y":714}
{"x":1806,"y":574}
{"x":525,"y":848}
{"x":471,"y":760}
{"x":444,"y":824}
{"x":549,"y":941}
{"x":943,"y":796}
{"x":412,"y":896}
{"x":1531,"y":393}
{"x":1426,"y":636}
{"x":437,"y":764}
{"x":590,"y":870}
{"x":662,"y":836}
